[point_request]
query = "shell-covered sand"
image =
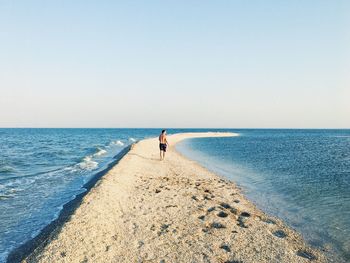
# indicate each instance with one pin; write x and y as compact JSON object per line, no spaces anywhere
{"x":146,"y":210}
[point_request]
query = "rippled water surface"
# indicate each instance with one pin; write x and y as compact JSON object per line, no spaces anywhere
{"x":301,"y":176}
{"x":42,"y":169}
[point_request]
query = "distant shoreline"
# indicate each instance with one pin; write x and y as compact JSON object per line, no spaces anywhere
{"x":143,"y":209}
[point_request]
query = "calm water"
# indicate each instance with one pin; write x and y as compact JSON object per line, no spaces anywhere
{"x":300,"y":176}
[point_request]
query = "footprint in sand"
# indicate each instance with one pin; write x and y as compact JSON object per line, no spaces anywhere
{"x":194,"y":198}
{"x":164,"y":228}
{"x":234,"y":211}
{"x":240,"y":221}
{"x":305,"y":254}
{"x":206,"y":197}
{"x":222,"y":214}
{"x":140,"y":244}
{"x":225,"y":247}
{"x":211,"y":209}
{"x":280,"y":234}
{"x":245,"y":214}
{"x":201,"y":217}
{"x":225,"y":205}
{"x":217,"y":225}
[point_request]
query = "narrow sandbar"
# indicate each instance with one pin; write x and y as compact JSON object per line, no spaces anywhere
{"x":146,"y":210}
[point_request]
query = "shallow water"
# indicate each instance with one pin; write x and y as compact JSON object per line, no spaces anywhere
{"x":42,"y":169}
{"x":300,"y":176}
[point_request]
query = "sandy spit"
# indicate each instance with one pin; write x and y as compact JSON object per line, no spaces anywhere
{"x":145,"y":210}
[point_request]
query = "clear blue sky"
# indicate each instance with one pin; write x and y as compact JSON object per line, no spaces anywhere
{"x":175,"y":63}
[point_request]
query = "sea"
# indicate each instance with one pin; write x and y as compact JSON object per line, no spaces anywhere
{"x":299,"y":176}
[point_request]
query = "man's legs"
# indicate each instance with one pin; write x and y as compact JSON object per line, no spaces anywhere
{"x":161,"y":155}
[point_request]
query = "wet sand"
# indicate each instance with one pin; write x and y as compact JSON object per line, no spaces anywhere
{"x":146,"y":210}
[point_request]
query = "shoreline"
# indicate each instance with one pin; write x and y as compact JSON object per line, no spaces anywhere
{"x":175,"y":211}
{"x":20,"y":253}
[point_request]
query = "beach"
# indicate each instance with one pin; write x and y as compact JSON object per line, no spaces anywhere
{"x":146,"y":210}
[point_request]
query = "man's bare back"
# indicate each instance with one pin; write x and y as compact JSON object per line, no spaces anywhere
{"x":163,"y":143}
{"x":162,"y":138}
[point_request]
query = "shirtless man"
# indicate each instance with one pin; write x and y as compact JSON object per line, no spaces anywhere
{"x":163,"y":143}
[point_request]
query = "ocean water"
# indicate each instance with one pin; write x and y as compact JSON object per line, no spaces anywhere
{"x":300,"y":176}
{"x":42,"y":169}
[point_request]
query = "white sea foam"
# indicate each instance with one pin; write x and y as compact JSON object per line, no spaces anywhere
{"x":100,"y":152}
{"x":88,"y":164}
{"x":119,"y":143}
{"x":72,"y":169}
{"x":132,"y":139}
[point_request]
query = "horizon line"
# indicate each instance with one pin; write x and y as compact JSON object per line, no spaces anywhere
{"x":188,"y":128}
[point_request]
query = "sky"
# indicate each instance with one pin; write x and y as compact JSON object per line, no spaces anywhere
{"x":193,"y":63}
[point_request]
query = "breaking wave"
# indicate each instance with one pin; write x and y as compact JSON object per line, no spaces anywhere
{"x":100,"y":152}
{"x":88,"y":164}
{"x":118,"y":143}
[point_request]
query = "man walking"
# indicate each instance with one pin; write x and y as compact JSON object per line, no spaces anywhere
{"x":163,"y":143}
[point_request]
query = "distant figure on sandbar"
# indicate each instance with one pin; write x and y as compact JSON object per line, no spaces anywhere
{"x":163,"y":143}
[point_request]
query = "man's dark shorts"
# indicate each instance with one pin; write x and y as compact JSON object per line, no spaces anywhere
{"x":162,"y":147}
